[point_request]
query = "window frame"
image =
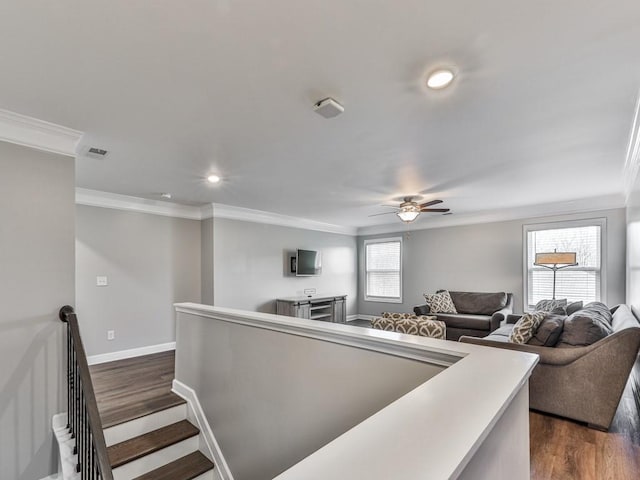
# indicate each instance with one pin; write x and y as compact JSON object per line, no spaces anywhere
{"x":370,"y":298}
{"x":587,"y":222}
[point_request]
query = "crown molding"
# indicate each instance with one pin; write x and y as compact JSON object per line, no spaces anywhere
{"x":572,"y":207}
{"x":38,"y":134}
{"x":258,"y":216}
{"x":632,"y":160}
{"x":96,"y":198}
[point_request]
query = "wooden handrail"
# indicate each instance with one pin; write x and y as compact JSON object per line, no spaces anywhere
{"x":83,"y":416}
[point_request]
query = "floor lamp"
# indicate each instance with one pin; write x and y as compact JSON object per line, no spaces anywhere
{"x":555,"y":261}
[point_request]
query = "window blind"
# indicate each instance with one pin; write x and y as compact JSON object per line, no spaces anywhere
{"x":382,"y":266}
{"x":573,"y":283}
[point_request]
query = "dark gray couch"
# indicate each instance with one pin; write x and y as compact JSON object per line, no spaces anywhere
{"x":583,"y":383}
{"x":478,"y":315}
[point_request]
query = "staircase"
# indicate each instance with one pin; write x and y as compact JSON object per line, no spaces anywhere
{"x":148,"y":430}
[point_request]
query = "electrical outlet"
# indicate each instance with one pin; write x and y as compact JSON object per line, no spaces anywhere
{"x":111,"y":334}
{"x":101,"y":281}
{"x":309,"y":291}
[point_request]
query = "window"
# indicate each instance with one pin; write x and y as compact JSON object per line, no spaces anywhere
{"x":383,"y":270}
{"x":582,"y":282}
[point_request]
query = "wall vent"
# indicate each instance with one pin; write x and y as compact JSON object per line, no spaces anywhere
{"x":95,"y":152}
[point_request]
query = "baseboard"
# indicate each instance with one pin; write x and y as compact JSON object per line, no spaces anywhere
{"x":134,"y":352}
{"x":212,"y":445}
{"x":358,"y":316}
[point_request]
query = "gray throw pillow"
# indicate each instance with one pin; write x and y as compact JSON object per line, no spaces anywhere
{"x":549,"y":331}
{"x":585,"y":327}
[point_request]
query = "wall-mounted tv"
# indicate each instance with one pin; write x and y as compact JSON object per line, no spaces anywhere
{"x":308,"y":263}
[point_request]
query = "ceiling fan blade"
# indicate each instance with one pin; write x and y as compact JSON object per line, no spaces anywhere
{"x":428,"y":204}
{"x":377,"y":214}
{"x":390,"y":206}
{"x":434,"y":210}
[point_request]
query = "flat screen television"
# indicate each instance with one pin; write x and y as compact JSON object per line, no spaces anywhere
{"x":308,"y":263}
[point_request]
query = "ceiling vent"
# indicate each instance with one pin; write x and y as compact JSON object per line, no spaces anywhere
{"x":95,"y":152}
{"x":328,"y":108}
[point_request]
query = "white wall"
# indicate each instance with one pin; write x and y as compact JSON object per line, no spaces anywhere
{"x":151,"y":261}
{"x":250,"y":260}
{"x":36,"y":279}
{"x":484,"y":258}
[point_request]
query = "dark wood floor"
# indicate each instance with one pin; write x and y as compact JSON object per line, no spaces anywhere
{"x":134,"y":387}
{"x":560,"y":449}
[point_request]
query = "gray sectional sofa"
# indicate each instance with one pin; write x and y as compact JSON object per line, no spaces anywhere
{"x":580,"y":382}
{"x":478,"y":315}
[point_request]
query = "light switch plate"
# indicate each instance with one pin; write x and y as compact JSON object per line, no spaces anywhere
{"x":309,"y":291}
{"x":101,"y":281}
{"x":111,"y":334}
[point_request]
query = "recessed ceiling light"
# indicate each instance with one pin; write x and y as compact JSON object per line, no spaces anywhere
{"x":440,"y":78}
{"x":213,"y":178}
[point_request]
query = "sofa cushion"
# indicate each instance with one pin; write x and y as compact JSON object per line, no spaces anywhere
{"x":525,"y":328}
{"x":478,"y":303}
{"x":600,"y":310}
{"x":440,"y":302}
{"x":549,"y":331}
{"x":623,"y":318}
{"x":473,"y":322}
{"x":586,"y":326}
{"x":502,"y":334}
{"x":550,"y":305}
{"x":574,"y":307}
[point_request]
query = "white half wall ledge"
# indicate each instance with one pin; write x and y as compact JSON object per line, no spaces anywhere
{"x":417,"y":414}
{"x":131,"y":353}
{"x":39,"y":134}
{"x":569,"y":207}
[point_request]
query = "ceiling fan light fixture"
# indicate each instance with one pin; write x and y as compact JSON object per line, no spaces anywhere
{"x":409,"y":213}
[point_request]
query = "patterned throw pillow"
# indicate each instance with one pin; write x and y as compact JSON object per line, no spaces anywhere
{"x":550,"y":305}
{"x":398,"y":316}
{"x":526,"y":327}
{"x":428,"y":326}
{"x":440,"y":302}
{"x":381,"y":323}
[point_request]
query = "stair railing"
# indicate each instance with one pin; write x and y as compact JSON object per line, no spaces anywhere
{"x":83,"y":418}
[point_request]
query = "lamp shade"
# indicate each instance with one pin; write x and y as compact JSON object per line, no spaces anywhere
{"x":556,"y":258}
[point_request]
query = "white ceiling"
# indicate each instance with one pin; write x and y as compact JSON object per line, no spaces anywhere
{"x":541,"y":110}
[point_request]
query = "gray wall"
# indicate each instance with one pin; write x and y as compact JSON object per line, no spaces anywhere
{"x":206,"y":256}
{"x":250,"y":261}
{"x":36,"y":279}
{"x":151,"y":261}
{"x":484,"y":257}
{"x":272,"y":399}
{"x":633,"y":247}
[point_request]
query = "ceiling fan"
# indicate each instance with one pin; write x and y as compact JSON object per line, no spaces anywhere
{"x":409,"y":210}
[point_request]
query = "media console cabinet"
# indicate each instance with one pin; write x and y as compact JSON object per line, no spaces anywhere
{"x":325,"y":308}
